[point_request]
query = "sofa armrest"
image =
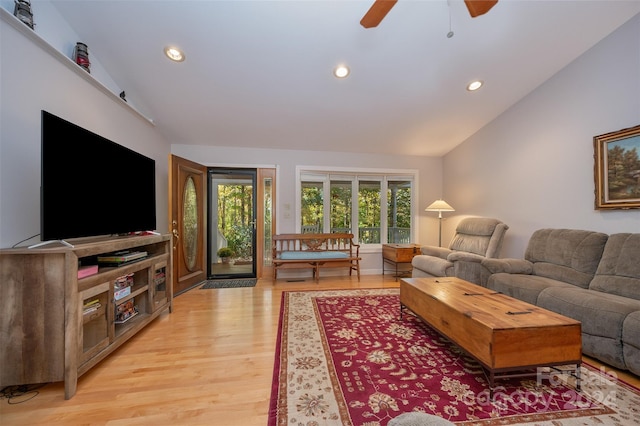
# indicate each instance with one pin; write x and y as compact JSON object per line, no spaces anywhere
{"x":510,"y":266}
{"x":464,"y":256}
{"x":440,"y":252}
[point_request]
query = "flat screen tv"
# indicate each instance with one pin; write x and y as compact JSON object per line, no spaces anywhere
{"x":92,"y":186}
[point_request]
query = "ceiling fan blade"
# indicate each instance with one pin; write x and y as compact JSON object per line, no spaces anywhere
{"x":479,"y":7}
{"x":377,"y":12}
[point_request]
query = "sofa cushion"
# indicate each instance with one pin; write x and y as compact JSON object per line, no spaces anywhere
{"x":606,"y":349}
{"x":507,"y":265}
{"x":631,"y":342}
{"x":568,"y":255}
{"x":313,"y":255}
{"x":521,"y":286}
{"x":619,"y":269}
{"x":601,"y":314}
{"x":473,"y":236}
{"x":433,"y":265}
{"x":468,"y":270}
{"x":441,"y":252}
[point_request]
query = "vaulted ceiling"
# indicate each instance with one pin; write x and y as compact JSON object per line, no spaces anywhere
{"x":259,"y":73}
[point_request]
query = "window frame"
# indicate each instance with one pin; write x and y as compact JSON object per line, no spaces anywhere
{"x":326,"y":174}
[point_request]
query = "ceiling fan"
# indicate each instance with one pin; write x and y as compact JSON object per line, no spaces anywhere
{"x":380,"y":8}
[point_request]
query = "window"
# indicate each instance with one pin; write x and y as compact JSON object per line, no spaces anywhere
{"x":379,"y":203}
{"x":369,"y":207}
{"x":399,"y":211}
{"x":340,"y":206}
{"x":311,"y":207}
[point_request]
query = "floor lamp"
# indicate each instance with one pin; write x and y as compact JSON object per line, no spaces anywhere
{"x":439,"y":206}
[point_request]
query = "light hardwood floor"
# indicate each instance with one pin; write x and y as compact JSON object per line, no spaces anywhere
{"x":210,"y":362}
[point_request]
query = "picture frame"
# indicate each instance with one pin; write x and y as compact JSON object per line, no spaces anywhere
{"x":617,"y":169}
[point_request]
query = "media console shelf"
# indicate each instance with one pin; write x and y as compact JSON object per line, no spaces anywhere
{"x":55,"y":326}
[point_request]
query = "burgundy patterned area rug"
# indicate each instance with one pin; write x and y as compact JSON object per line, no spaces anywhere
{"x":344,"y":357}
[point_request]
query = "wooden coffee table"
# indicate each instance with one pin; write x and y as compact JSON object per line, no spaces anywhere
{"x":508,"y":337}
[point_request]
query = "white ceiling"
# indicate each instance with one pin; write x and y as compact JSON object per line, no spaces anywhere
{"x":259,"y":73}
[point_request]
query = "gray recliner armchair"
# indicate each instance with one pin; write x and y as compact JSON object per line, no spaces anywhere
{"x":476,"y":238}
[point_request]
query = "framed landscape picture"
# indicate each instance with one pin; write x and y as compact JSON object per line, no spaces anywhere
{"x":617,"y":169}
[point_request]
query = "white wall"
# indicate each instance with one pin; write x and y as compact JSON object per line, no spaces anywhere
{"x":429,"y":184}
{"x":31,"y":79}
{"x":51,"y":27}
{"x":533,"y":166}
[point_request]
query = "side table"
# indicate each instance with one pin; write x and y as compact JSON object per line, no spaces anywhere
{"x":398,"y":254}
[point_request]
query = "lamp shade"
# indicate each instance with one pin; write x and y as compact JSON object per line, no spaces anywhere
{"x":439,"y":206}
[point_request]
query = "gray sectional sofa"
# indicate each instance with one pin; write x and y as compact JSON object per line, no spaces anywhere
{"x":586,"y":275}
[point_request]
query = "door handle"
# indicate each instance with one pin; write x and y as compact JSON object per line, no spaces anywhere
{"x":174,"y":231}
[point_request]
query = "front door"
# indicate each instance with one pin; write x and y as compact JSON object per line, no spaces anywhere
{"x":187,"y":204}
{"x":232,"y":223}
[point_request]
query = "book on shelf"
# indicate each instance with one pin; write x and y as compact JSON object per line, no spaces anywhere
{"x":86,"y":271}
{"x":91,"y":306}
{"x":121,"y":257}
{"x":91,"y":309}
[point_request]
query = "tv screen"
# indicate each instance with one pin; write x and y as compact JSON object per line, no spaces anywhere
{"x":92,"y":186}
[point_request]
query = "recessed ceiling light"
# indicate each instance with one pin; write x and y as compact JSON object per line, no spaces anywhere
{"x":341,"y":71}
{"x":474,"y":85}
{"x":174,"y":54}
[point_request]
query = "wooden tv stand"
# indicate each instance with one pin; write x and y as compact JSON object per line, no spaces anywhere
{"x":508,"y":337}
{"x":46,"y":334}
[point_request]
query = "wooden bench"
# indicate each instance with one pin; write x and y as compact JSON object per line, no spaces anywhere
{"x":315,"y":251}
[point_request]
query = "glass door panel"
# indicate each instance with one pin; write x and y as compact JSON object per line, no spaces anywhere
{"x":94,"y":334}
{"x":232,"y":223}
{"x":266,"y":220}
